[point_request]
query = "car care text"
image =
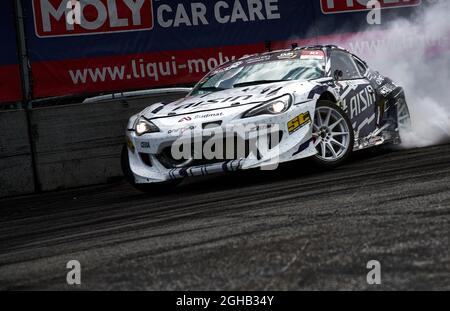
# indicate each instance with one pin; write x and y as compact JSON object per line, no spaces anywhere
{"x":54,"y":17}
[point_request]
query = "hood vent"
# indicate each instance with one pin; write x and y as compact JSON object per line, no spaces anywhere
{"x":211,"y":125}
{"x":158,"y":109}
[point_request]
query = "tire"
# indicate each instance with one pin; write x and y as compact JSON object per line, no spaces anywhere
{"x":332,"y":150}
{"x":154,"y":188}
{"x":404,"y":126}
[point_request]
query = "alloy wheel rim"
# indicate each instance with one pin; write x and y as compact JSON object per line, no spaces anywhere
{"x":331,"y":134}
{"x":403,"y":116}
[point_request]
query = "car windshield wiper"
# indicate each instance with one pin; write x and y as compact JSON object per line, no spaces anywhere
{"x":257,"y":82}
{"x":211,"y":89}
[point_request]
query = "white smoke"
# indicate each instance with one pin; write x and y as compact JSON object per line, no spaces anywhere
{"x":415,"y":53}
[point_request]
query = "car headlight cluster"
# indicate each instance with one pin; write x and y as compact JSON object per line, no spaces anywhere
{"x":144,"y":126}
{"x":274,"y":106}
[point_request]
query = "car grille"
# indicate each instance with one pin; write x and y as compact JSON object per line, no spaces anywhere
{"x":229,"y":152}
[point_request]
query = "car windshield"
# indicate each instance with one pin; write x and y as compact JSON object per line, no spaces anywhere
{"x":287,"y":66}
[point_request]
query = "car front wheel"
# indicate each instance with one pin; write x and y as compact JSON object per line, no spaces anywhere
{"x":333,"y":135}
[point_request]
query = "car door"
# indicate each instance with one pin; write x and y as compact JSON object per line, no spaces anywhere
{"x":357,"y":95}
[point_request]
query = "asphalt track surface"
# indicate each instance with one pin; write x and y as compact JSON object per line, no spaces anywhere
{"x":290,"y":229}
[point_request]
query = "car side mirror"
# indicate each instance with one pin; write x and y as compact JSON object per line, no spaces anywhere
{"x":338,"y":74}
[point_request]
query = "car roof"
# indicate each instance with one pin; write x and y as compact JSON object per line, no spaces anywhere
{"x":327,"y":48}
{"x":305,"y":47}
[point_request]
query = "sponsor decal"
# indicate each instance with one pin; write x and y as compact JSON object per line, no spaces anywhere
{"x":56,"y":17}
{"x":387,"y":89}
{"x":376,"y":77}
{"x":287,"y":55}
{"x":343,"y":6}
{"x":312,"y":55}
{"x":185,"y":119}
{"x":81,"y":17}
{"x":359,"y":102}
{"x":209,"y":115}
{"x":201,"y":116}
{"x":226,"y":68}
{"x":145,"y":144}
{"x":298,"y":122}
{"x":181,"y":130}
{"x":258,"y":59}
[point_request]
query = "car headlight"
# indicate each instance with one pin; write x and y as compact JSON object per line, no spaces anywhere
{"x":274,"y":106}
{"x":144,"y":126}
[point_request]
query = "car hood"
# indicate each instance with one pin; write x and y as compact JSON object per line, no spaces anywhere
{"x":230,"y":98}
{"x":222,"y":105}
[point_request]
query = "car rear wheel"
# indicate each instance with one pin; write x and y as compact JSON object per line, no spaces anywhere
{"x":156,"y":188}
{"x":403,"y":116}
{"x":333,"y":135}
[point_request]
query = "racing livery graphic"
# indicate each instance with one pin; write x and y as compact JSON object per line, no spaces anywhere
{"x":317,"y":102}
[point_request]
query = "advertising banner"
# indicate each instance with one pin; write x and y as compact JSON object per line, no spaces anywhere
{"x":86,"y":47}
{"x":10,"y":83}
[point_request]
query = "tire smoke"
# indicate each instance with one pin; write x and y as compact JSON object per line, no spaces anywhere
{"x":415,"y":53}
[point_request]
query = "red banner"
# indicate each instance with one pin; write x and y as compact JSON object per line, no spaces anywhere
{"x":342,"y":6}
{"x":132,"y":71}
{"x":10,"y":83}
{"x":119,"y":45}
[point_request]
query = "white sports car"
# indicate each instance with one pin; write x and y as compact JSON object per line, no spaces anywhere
{"x":317,"y":102}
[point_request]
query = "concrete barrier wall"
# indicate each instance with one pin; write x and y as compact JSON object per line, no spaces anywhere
{"x":16,"y":173}
{"x":79,"y":145}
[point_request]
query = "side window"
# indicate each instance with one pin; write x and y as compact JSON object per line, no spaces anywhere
{"x":361,"y":67}
{"x":344,"y":62}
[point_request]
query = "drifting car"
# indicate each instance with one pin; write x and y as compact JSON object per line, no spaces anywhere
{"x":324,"y":102}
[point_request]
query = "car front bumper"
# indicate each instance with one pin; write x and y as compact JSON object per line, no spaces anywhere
{"x":144,"y":151}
